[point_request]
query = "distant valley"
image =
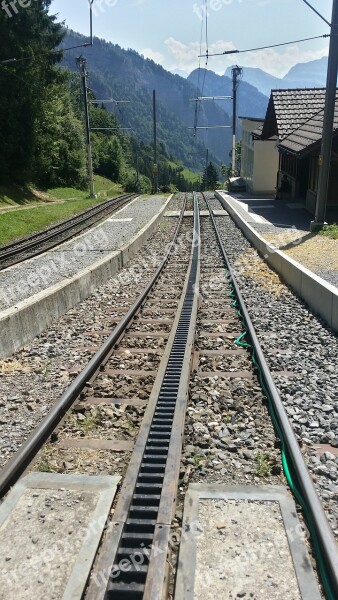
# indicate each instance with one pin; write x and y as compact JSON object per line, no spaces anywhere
{"x":126,"y":75}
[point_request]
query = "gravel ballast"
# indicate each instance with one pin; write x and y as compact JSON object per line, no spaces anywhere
{"x":33,"y":378}
{"x":229,"y":436}
{"x":296,"y":340}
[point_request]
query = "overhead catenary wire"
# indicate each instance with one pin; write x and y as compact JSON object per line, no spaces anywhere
{"x":9,"y":61}
{"x":317,"y":12}
{"x":317,"y":37}
{"x":14,"y":61}
{"x":198,"y":103}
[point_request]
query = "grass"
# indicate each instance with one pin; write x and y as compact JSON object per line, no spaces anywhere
{"x":19,"y":223}
{"x":264,"y":465}
{"x":188,"y":175}
{"x":330,"y":231}
{"x":45,"y":467}
{"x":45,"y":464}
{"x":199,"y":460}
{"x":15,"y":195}
{"x":90,"y":422}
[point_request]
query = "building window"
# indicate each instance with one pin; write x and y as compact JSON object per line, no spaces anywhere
{"x":289,"y":165}
{"x":314,"y":174}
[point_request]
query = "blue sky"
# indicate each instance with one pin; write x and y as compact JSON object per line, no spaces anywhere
{"x":168,"y":31}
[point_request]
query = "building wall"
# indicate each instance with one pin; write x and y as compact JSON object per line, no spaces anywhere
{"x":259,"y":160}
{"x":247,"y":153}
{"x":266,"y":164}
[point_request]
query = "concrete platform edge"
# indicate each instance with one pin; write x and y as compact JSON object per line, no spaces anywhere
{"x":321,"y":296}
{"x":104,"y":486}
{"x":191,"y":529}
{"x":20,"y":324}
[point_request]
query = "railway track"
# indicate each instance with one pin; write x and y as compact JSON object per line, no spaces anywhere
{"x":40,"y":242}
{"x":183,"y":340}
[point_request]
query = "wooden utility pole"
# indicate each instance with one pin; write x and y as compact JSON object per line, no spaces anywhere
{"x":155,"y":167}
{"x":81,"y":61}
{"x":206,"y":169}
{"x":330,"y":103}
{"x":236,"y":73}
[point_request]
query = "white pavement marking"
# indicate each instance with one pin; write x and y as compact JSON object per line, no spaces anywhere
{"x":112,"y":220}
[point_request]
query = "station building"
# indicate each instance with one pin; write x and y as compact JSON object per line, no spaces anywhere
{"x":293,"y":129}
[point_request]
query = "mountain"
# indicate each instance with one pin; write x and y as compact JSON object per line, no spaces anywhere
{"x":310,"y":74}
{"x":126,"y":75}
{"x":179,"y":72}
{"x":264,"y":82}
{"x":302,"y":75}
{"x":251,"y":102}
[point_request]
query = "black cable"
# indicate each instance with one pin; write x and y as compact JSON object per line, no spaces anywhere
{"x":201,"y":89}
{"x":326,"y":35}
{"x":198,"y":104}
{"x":317,"y":13}
{"x":51,"y":52}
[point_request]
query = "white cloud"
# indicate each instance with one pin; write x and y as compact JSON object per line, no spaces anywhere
{"x":277,"y":62}
{"x":153,"y":55}
{"x":185,"y":56}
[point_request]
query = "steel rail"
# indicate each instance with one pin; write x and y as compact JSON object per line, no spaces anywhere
{"x":323,"y":530}
{"x":58,"y":226}
{"x":22,"y":458}
{"x":132,"y":563}
{"x":36,"y":239}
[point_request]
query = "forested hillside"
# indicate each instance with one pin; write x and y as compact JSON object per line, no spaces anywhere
{"x":42,"y":117}
{"x":126,"y":75}
{"x":251,"y":102}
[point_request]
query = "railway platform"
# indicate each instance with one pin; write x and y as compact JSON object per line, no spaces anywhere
{"x":41,"y":289}
{"x":280,"y":231}
{"x":286,"y":224}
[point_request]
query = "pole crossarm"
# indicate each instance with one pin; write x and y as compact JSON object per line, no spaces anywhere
{"x":210,"y":98}
{"x":212,"y":127}
{"x":110,"y":101}
{"x":110,"y":128}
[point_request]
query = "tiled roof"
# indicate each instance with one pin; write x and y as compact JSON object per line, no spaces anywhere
{"x":288,"y":109}
{"x":257,"y":132}
{"x":258,"y":119}
{"x":308,"y":135}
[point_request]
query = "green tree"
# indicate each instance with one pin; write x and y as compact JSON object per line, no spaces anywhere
{"x":60,"y":157}
{"x":108,"y":150}
{"x":210,"y":177}
{"x":30,"y":37}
